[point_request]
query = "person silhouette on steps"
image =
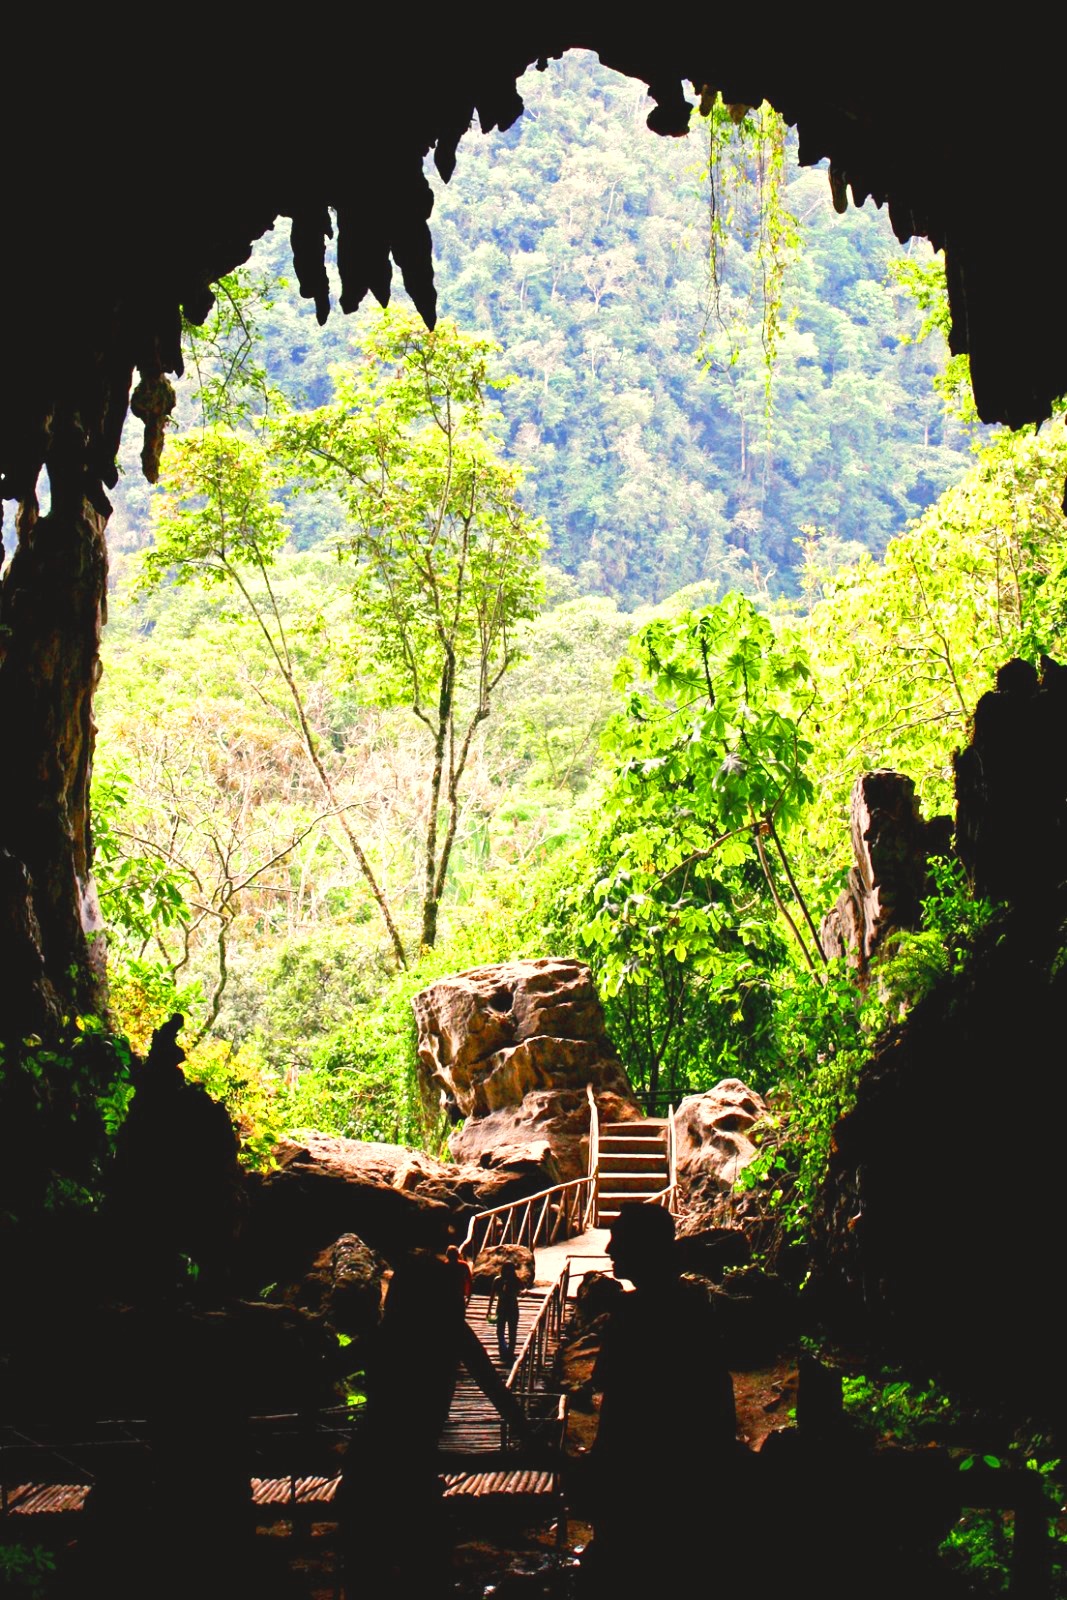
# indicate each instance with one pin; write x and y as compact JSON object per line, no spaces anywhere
{"x":505,"y":1296}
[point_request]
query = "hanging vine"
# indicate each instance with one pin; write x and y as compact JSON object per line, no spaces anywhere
{"x":747,"y":209}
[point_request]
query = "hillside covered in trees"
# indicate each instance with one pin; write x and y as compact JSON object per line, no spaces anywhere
{"x":659,"y":449}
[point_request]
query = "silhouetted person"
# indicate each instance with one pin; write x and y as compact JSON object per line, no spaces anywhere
{"x":462,"y":1270}
{"x":390,"y":1483}
{"x":505,"y":1296}
{"x":665,"y":1454}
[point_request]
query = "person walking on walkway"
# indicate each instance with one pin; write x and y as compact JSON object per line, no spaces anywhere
{"x":462,"y":1271}
{"x":505,"y":1296}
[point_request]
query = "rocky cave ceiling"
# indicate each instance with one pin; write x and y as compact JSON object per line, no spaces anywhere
{"x":128,"y":190}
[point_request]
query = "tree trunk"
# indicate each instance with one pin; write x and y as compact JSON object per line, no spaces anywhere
{"x":53,"y":602}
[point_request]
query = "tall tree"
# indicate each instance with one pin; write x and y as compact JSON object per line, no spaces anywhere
{"x":445,"y":559}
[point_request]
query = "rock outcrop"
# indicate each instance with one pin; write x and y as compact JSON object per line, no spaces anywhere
{"x":1011,"y":784}
{"x":891,"y":846}
{"x":488,"y":1264}
{"x":346,"y":1285}
{"x":948,"y":1260}
{"x":713,"y":1146}
{"x":512,"y":1048}
{"x":394,"y":1199}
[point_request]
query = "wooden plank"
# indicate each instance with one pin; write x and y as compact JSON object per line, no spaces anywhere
{"x":473,"y":1422}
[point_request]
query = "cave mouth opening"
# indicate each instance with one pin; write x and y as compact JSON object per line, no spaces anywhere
{"x":597,"y":235}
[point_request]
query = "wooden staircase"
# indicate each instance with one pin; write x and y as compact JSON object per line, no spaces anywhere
{"x":633,"y":1163}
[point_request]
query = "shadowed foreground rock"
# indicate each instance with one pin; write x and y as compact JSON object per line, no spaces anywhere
{"x":512,"y":1048}
{"x":346,"y":1285}
{"x":1011,"y":827}
{"x":393,"y":1199}
{"x":947,"y":1256}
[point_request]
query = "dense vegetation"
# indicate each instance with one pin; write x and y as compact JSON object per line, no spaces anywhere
{"x":579,"y":243}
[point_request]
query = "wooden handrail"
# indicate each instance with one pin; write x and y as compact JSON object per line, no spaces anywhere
{"x":561,"y":1215}
{"x":668,"y":1197}
{"x":544,"y":1332}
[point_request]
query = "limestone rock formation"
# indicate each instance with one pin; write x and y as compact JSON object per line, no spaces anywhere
{"x":1011,"y":785}
{"x":346,"y":1285}
{"x":394,"y":1199}
{"x":460,"y":1187}
{"x":891,"y":845}
{"x":713,"y":1146}
{"x":951,"y":1265}
{"x":325,"y":1187}
{"x":512,"y":1048}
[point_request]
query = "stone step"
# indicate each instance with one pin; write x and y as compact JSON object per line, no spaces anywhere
{"x":608,"y":1212}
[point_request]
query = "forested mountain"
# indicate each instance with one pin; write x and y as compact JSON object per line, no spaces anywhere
{"x":580,"y":242}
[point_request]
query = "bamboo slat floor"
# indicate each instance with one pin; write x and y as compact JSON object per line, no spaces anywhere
{"x":473,"y":1424}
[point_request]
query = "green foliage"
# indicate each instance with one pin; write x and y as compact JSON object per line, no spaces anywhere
{"x":822,"y":1035}
{"x":904,"y":648}
{"x":906,"y":1413}
{"x":140,"y":890}
{"x":953,"y":919}
{"x":67,"y":1100}
{"x":747,"y":173}
{"x":979,"y":1546}
{"x":363,"y":1079}
{"x":26,"y":1569}
{"x":924,"y":282}
{"x":239,"y":1078}
{"x":705,"y":763}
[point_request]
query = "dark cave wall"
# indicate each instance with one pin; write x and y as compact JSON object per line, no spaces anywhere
{"x":52,"y":608}
{"x":939,"y":1236}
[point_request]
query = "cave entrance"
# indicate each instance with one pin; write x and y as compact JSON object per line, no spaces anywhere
{"x":666,"y":453}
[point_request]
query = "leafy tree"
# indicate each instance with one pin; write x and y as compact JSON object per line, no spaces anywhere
{"x":445,"y":559}
{"x":709,"y":773}
{"x":222,"y":526}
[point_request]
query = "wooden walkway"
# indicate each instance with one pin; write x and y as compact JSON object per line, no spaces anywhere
{"x":474,"y":1426}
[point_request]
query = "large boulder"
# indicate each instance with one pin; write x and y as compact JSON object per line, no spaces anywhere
{"x":461,"y":1187}
{"x":489,"y":1263}
{"x":395,"y":1199}
{"x":324,"y":1187}
{"x":346,"y":1285}
{"x":713,"y":1146}
{"x":512,"y":1048}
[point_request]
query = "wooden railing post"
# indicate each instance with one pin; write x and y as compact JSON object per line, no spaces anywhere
{"x":594,"y":1155}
